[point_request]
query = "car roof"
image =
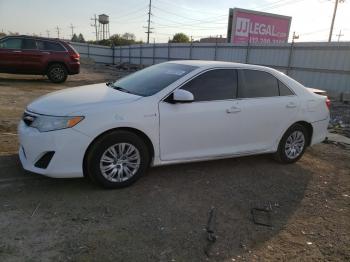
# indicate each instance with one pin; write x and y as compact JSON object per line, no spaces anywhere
{"x":213,"y":64}
{"x":35,"y":37}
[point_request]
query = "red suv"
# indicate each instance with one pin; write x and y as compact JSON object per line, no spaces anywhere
{"x":38,"y":56}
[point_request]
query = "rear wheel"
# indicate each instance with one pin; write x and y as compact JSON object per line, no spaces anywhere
{"x":57,"y":73}
{"x":293,"y":144}
{"x":117,"y":159}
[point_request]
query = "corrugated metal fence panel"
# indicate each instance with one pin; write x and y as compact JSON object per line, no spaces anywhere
{"x":333,"y":56}
{"x":321,"y":65}
{"x":179,"y":51}
{"x":270,"y":56}
{"x":225,"y":52}
{"x":161,"y":53}
{"x":203,"y":52}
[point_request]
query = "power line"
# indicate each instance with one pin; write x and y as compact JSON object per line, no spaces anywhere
{"x":339,"y":35}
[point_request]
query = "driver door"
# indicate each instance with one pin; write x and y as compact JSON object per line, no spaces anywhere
{"x":204,"y":127}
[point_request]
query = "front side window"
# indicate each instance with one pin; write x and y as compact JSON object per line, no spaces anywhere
{"x":28,"y":44}
{"x":153,"y":79}
{"x":11,"y":43}
{"x":254,"y":83}
{"x":218,"y":84}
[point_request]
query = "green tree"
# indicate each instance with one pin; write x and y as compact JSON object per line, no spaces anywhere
{"x":81,"y":38}
{"x":75,"y":38}
{"x":180,"y":38}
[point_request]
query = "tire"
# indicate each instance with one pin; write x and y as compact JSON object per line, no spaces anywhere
{"x":117,"y":159}
{"x":295,"y":139}
{"x":57,"y":73}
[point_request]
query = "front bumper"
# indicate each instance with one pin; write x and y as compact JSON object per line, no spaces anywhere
{"x":69,"y":146}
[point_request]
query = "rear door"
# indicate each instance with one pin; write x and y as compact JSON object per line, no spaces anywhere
{"x":268,"y":108}
{"x":30,"y":57}
{"x":10,"y":54}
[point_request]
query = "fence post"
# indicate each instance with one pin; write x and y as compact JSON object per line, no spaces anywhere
{"x":113,"y":53}
{"x":168,"y":51}
{"x":290,"y":57}
{"x":120,"y":54}
{"x":247,"y":53}
{"x":216,"y":49}
{"x":129,"y":55}
{"x":141,"y":54}
{"x":191,"y":50}
{"x":88,"y":46}
{"x":154,"y":53}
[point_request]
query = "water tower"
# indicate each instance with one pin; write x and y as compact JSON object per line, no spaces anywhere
{"x":103,"y":26}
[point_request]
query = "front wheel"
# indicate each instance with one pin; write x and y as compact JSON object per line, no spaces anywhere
{"x":57,"y":73}
{"x":293,"y":144}
{"x":117,"y":159}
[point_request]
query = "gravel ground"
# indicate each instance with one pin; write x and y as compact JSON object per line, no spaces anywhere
{"x":164,"y":215}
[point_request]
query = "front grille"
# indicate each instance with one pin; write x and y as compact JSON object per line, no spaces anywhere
{"x":28,"y":118}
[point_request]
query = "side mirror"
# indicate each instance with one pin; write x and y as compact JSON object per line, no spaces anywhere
{"x":182,"y":96}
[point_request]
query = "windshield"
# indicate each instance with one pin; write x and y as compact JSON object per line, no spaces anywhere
{"x":152,"y":79}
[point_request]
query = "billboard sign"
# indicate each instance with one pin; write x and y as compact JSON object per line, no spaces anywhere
{"x":257,"y":27}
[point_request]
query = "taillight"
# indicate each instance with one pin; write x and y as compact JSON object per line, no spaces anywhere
{"x":75,"y":57}
{"x":328,"y":103}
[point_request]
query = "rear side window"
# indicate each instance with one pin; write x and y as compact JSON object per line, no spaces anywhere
{"x":28,"y":44}
{"x":11,"y":43}
{"x":284,"y":90}
{"x":253,"y":83}
{"x":218,"y":84}
{"x":50,"y":46}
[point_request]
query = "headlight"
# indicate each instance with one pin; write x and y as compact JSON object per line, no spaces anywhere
{"x":50,"y":123}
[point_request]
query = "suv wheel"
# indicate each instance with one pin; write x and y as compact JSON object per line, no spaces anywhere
{"x":117,"y":159}
{"x":57,"y":73}
{"x":293,"y":144}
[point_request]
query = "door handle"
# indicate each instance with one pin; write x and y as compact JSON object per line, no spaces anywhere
{"x":17,"y":51}
{"x":233,"y":109}
{"x":291,"y":105}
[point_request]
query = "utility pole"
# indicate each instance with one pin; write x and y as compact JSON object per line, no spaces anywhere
{"x":149,"y":21}
{"x":95,"y":25}
{"x":295,"y":36}
{"x":339,"y":35}
{"x":72,"y":28}
{"x":48,"y":33}
{"x":58,"y":32}
{"x":333,"y":18}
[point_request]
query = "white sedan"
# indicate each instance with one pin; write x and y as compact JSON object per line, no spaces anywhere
{"x":173,"y":112}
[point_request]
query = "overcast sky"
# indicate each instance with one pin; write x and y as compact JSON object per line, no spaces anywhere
{"x":310,"y":18}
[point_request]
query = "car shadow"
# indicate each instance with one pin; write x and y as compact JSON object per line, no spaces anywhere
{"x":161,"y":217}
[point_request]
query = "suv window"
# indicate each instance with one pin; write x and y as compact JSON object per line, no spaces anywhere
{"x":284,"y":90}
{"x":218,"y":84}
{"x":11,"y":43}
{"x":50,"y":46}
{"x":28,"y":44}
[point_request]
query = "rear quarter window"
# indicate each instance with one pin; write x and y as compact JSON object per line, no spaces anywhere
{"x":50,"y":46}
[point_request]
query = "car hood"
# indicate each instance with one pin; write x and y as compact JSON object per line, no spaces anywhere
{"x":77,"y":99}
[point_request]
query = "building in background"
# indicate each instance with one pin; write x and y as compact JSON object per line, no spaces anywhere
{"x":257,"y":27}
{"x":211,"y":39}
